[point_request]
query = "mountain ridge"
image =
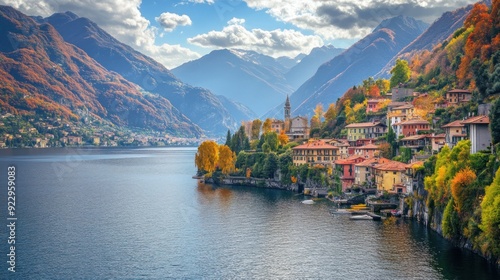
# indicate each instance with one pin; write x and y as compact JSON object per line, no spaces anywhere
{"x":41,"y":72}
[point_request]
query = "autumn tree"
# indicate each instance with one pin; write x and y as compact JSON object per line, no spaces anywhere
{"x":256,"y":125}
{"x":318,"y":111}
{"x":267,"y":126}
{"x":207,"y":156}
{"x":460,"y":189}
{"x":331,"y":113}
{"x":227,"y":159}
{"x":349,"y":112}
{"x":283,"y":138}
{"x":400,"y":73}
{"x":315,"y":122}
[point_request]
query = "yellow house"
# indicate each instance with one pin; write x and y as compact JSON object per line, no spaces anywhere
{"x":315,"y":152}
{"x":364,"y":171}
{"x":368,"y":130}
{"x":388,"y":175}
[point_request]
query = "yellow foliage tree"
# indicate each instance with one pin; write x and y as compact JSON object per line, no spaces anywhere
{"x":331,"y":112}
{"x":315,"y":122}
{"x":283,"y":138}
{"x":350,"y":117}
{"x":267,"y":126}
{"x":227,"y":159}
{"x":318,"y":111}
{"x":207,"y":156}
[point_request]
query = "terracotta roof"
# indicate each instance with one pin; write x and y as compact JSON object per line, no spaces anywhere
{"x":315,"y":146}
{"x":459,"y":91}
{"x":414,"y":137}
{"x":372,"y":161}
{"x":477,"y":120}
{"x":368,"y":147}
{"x":350,"y":160}
{"x":366,"y":124}
{"x":391,"y":166}
{"x":458,"y":123}
{"x":415,"y":122}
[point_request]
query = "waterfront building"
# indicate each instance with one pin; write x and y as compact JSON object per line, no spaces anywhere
{"x":315,"y":152}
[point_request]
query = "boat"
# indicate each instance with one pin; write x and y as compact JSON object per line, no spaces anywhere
{"x":308,"y":201}
{"x":361,"y":217}
{"x":340,"y":211}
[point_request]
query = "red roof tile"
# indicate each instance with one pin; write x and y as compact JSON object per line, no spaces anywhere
{"x":477,"y":120}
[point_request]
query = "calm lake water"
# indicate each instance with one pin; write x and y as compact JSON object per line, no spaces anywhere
{"x":137,"y":214}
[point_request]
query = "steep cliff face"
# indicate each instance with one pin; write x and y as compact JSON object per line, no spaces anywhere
{"x":433,"y":218}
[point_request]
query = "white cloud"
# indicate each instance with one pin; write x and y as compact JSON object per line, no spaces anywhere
{"x":334,"y":19}
{"x":201,"y":1}
{"x":170,"y":21}
{"x":274,"y":43}
{"x":239,"y":21}
{"x":122,"y":19}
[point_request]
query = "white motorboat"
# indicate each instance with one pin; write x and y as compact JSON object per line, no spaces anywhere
{"x":361,"y":217}
{"x":309,"y":201}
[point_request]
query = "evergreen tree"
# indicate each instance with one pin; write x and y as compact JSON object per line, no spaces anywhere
{"x":228,"y":138}
{"x":495,"y":122}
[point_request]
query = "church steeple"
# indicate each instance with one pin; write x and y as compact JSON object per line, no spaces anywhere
{"x":288,"y":108}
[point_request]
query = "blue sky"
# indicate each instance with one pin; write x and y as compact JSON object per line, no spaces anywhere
{"x":174,"y":32}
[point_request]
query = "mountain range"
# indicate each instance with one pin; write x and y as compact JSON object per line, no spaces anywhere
{"x":199,"y":105}
{"x":363,"y":59}
{"x":41,"y":72}
{"x":68,"y":65}
{"x":249,"y":77}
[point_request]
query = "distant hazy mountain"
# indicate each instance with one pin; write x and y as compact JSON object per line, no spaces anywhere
{"x":362,"y":60}
{"x":239,"y":111}
{"x":198,"y":104}
{"x":439,"y":31}
{"x":289,"y":62}
{"x":252,"y":79}
{"x":309,"y":64}
{"x":40,"y":72}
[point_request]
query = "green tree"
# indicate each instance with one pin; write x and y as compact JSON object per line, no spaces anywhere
{"x":490,"y":216}
{"x":228,"y":138}
{"x":239,"y":141}
{"x":400,"y":73}
{"x":270,"y":165}
{"x":391,"y":139}
{"x":495,"y":122}
{"x":256,"y":125}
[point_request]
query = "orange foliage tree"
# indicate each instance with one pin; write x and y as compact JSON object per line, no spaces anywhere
{"x":227,"y":159}
{"x":460,"y":185}
{"x":207,"y":156}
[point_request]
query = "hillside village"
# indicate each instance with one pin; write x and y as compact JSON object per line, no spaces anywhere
{"x":359,"y":159}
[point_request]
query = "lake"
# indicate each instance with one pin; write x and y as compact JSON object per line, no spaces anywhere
{"x":101,"y":213}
